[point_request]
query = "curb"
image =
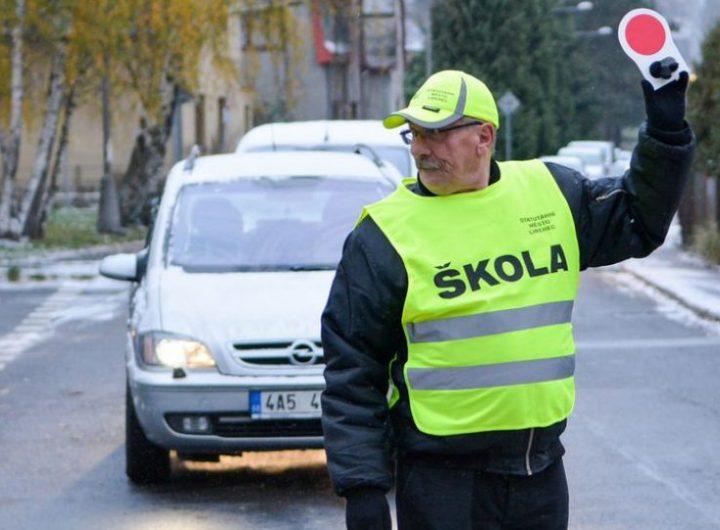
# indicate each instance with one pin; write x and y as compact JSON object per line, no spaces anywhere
{"x":699,"y":311}
{"x":53,"y":256}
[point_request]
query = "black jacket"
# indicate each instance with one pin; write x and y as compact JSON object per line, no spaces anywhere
{"x":615,"y":219}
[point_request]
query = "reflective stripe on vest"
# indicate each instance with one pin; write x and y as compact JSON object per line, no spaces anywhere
{"x":492,"y":277}
{"x":490,"y":323}
{"x":492,"y":375}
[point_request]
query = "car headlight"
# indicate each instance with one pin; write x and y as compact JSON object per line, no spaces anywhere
{"x":174,"y":351}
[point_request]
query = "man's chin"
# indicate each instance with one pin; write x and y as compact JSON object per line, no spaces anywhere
{"x":430,"y":173}
{"x":434,"y":181}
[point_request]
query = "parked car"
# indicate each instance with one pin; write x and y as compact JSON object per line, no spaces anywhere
{"x":332,"y":135}
{"x":607,"y":148}
{"x":572,"y":162}
{"x":592,"y":158}
{"x":622,"y":154}
{"x":619,"y":167}
{"x":223,"y":346}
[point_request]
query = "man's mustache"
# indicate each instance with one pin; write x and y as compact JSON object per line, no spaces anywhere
{"x":429,"y":163}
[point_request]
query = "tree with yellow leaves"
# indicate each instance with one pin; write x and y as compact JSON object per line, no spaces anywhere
{"x":148,"y":49}
{"x":155,"y":50}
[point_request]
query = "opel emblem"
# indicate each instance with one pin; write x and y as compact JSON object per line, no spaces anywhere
{"x":303,"y":353}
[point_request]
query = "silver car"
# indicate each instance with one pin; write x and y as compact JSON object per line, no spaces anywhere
{"x":223,"y":343}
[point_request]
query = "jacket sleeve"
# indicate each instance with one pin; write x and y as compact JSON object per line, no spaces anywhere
{"x":628,"y":217}
{"x":361,"y":331}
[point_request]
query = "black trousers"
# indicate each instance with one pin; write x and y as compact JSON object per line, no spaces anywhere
{"x":431,"y":496}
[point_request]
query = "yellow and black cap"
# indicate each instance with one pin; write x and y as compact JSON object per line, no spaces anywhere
{"x":443,"y":99}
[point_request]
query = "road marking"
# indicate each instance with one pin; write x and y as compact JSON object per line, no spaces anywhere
{"x":666,"y":306}
{"x":647,"y":343}
{"x":38,"y":324}
{"x":29,"y":326}
{"x":644,"y":464}
{"x":63,"y":305}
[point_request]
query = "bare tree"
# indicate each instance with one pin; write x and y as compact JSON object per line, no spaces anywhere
{"x":60,"y":159}
{"x":10,"y":141}
{"x":142,"y":177}
{"x":30,"y":214}
{"x":158,"y":52}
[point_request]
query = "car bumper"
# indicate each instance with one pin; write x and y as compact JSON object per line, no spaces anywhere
{"x":160,"y":399}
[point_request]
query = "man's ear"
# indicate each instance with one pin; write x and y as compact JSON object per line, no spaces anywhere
{"x":486,"y":134}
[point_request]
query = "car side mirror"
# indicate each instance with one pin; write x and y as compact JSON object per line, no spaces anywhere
{"x":120,"y":267}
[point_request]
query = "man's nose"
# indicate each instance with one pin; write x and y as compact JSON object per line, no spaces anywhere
{"x":419,"y":147}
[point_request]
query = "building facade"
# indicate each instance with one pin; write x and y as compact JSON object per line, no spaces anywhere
{"x":215,"y":117}
{"x":332,"y":65}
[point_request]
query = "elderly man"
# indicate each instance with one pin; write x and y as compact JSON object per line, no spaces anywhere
{"x":456,"y":292}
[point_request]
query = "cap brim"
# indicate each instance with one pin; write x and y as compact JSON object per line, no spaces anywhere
{"x":424,"y":118}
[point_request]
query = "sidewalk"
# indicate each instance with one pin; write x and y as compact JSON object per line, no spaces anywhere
{"x":50,"y":256}
{"x":48,"y":267}
{"x":681,"y":276}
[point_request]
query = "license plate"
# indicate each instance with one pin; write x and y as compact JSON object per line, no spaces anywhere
{"x":285,"y":404}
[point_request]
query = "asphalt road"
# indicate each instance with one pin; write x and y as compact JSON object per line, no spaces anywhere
{"x":642,"y":444}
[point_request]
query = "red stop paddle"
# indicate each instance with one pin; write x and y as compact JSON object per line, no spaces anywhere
{"x":645,"y":37}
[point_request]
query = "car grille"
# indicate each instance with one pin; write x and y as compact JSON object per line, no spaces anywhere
{"x":243,"y":427}
{"x":300,"y":353}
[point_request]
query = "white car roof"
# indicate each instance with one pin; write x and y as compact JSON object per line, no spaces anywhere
{"x":606,"y":146}
{"x":622,"y":154}
{"x":582,"y":148}
{"x":572,"y":162}
{"x":318,"y":132}
{"x":579,"y":151}
{"x":589,"y":155}
{"x":219,"y":168}
{"x":598,"y":143}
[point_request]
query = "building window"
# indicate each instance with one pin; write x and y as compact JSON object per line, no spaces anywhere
{"x":379,"y":28}
{"x":262,"y":28}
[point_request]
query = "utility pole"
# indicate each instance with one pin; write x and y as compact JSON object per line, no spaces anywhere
{"x":108,"y":219}
{"x":429,"y":39}
{"x":398,"y":100}
{"x":355,"y":88}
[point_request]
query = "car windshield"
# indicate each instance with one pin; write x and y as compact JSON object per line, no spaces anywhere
{"x":293,"y":223}
{"x":397,"y":156}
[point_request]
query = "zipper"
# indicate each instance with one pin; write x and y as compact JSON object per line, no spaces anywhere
{"x":527,"y":453}
{"x":608,"y":195}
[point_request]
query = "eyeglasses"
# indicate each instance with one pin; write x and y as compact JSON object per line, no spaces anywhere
{"x":409,"y":136}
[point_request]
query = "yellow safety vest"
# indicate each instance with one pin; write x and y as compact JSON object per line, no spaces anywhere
{"x":492,"y":277}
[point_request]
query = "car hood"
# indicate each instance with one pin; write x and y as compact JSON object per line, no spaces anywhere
{"x":221,"y":308}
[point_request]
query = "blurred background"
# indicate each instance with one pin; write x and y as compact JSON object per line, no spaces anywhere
{"x":98,"y":99}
